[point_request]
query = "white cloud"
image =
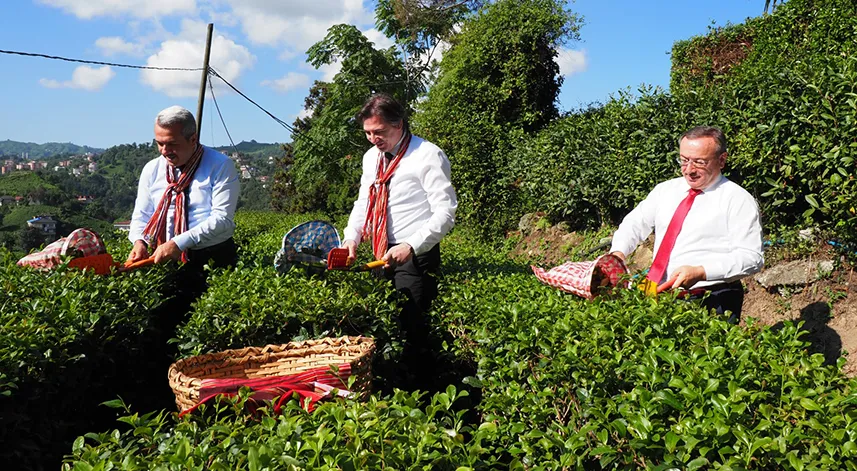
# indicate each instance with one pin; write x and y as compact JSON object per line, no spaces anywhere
{"x":296,"y":25}
{"x":290,"y":81}
{"x":571,"y":61}
{"x":378,"y":38}
{"x":87,"y":9}
{"x":305,"y":113}
{"x":83,"y":77}
{"x":113,"y":45}
{"x":187,"y":51}
{"x":328,"y":71}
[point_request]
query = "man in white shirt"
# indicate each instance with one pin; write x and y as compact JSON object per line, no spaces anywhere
{"x":186,"y":198}
{"x":412,"y":176}
{"x":714,"y":243}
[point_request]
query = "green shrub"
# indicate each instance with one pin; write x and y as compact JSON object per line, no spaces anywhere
{"x":397,"y":432}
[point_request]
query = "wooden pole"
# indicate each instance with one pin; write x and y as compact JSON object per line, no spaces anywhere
{"x":203,"y":82}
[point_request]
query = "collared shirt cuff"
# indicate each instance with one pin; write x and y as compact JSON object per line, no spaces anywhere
{"x":714,"y":271}
{"x":351,"y":234}
{"x":417,"y":244}
{"x":183,"y":241}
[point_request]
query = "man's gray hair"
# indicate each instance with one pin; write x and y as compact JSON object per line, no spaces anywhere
{"x":176,"y":115}
{"x":707,"y":131}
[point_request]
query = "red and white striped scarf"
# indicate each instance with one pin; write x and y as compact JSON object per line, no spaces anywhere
{"x":379,"y":194}
{"x":155,"y":232}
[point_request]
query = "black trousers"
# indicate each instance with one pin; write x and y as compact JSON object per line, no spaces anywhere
{"x":189,"y":282}
{"x":724,"y":297}
{"x":416,"y":280}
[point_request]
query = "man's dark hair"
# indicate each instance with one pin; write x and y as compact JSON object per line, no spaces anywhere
{"x":384,"y":106}
{"x":707,"y":131}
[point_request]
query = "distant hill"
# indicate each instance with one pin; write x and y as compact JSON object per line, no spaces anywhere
{"x":41,"y":151}
{"x":259,"y":149}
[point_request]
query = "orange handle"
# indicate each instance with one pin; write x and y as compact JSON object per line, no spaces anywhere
{"x":139,"y":264}
{"x":370,"y":265}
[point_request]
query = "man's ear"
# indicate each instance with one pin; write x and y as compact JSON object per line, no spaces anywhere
{"x":194,"y":139}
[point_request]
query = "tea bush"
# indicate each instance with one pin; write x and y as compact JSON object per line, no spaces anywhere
{"x":258,"y":306}
{"x":630,"y":382}
{"x":64,"y":338}
{"x":787,"y":105}
{"x":396,"y":432}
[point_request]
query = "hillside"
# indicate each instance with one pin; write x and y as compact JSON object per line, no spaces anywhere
{"x":25,"y":184}
{"x":253,"y":148}
{"x":41,"y":151}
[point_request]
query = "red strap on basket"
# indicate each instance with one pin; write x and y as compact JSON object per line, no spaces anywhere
{"x":303,"y":384}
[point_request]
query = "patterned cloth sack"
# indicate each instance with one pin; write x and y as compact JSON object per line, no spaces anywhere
{"x":585,"y":278}
{"x":307,"y":245}
{"x":80,"y":243}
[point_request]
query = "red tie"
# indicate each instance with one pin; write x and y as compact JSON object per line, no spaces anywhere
{"x":659,"y":265}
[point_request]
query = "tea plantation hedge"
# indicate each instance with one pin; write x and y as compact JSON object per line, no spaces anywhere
{"x":66,"y":338}
{"x":787,"y":102}
{"x":555,"y":382}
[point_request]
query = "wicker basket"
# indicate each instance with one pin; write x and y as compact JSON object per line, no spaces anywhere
{"x":186,"y":375}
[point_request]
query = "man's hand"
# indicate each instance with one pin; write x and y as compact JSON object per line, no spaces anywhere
{"x":619,"y":254}
{"x":398,"y":255}
{"x":139,"y":252}
{"x":166,"y":252}
{"x":352,"y":251}
{"x":684,"y":276}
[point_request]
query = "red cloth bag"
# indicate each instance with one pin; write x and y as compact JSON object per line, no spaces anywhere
{"x":584,"y":278}
{"x":80,"y":243}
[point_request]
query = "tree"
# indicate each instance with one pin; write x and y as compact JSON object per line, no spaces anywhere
{"x":498,"y":82}
{"x":328,"y":142}
{"x":30,"y":238}
{"x":419,"y":27}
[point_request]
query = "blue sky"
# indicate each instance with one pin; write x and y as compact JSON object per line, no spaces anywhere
{"x":260,"y":47}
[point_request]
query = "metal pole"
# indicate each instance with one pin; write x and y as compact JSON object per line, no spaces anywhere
{"x":203,"y":82}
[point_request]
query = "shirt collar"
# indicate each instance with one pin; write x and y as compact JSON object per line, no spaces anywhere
{"x":713,"y":186}
{"x":396,"y":147}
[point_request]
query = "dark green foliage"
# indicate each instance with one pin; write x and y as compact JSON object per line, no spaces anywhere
{"x":255,"y":196}
{"x":497,"y":83}
{"x":30,"y":238}
{"x":624,"y":382}
{"x":256,"y":306}
{"x":67,"y":340}
{"x":329,"y":145}
{"x":29,"y":185}
{"x":630,"y":382}
{"x":788,"y":111}
{"x":397,"y":432}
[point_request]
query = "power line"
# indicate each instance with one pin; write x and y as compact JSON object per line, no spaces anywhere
{"x":113,"y":64}
{"x":214,"y":98}
{"x":278,"y":120}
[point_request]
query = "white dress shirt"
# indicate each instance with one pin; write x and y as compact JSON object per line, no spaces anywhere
{"x":422,"y":202}
{"x":211,"y":200}
{"x":721,"y":232}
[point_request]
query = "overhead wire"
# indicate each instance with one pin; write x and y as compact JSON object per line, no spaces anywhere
{"x":112,"y":64}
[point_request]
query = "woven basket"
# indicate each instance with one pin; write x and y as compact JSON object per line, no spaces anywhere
{"x":186,"y":375}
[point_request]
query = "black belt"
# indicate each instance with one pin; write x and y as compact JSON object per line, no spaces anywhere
{"x":715,"y":287}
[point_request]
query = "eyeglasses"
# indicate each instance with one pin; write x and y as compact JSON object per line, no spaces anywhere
{"x":695,"y":162}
